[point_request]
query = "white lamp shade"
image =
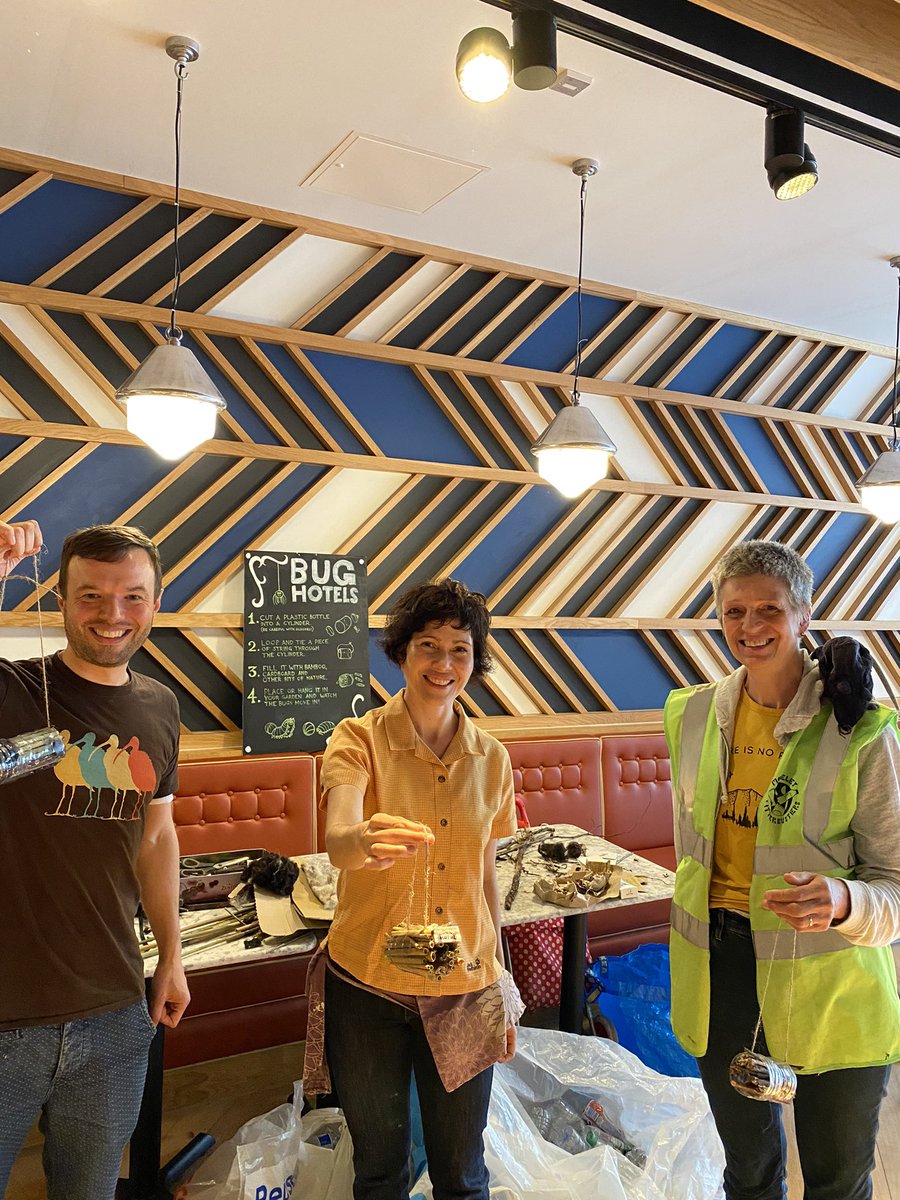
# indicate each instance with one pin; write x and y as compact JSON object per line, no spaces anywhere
{"x":170,"y":425}
{"x":573,"y":451}
{"x":879,"y":488}
{"x":171,"y":403}
{"x":573,"y":470}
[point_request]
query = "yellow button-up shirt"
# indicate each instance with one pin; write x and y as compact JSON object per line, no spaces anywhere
{"x":466,"y":798}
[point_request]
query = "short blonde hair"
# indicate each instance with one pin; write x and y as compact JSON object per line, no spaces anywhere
{"x":757,"y":557}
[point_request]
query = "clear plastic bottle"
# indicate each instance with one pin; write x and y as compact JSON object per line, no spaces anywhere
{"x":560,"y":1123}
{"x":28,"y":752}
{"x":571,"y":1139}
{"x":607,"y":1131}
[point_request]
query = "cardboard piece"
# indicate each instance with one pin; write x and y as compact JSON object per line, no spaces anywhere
{"x":276,"y":915}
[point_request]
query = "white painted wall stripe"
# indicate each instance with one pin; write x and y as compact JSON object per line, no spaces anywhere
{"x":405,"y":298}
{"x":44,"y":346}
{"x":675,"y":571}
{"x":292,"y":282}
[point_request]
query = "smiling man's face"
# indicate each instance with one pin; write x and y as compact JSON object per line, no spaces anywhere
{"x":108,"y":612}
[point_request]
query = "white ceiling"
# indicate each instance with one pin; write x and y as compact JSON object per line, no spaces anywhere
{"x":681,"y":207}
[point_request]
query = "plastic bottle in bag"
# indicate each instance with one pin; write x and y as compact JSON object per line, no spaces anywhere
{"x":607,"y":1131}
{"x":560,"y":1123}
{"x":571,"y":1139}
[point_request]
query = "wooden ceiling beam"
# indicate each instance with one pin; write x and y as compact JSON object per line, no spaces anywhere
{"x":863,"y":37}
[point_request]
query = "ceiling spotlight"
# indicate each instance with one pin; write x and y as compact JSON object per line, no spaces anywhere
{"x":534,"y":49}
{"x":879,"y":488}
{"x":573,"y":451}
{"x":483,"y":65}
{"x":790,"y":164}
{"x":170,"y":401}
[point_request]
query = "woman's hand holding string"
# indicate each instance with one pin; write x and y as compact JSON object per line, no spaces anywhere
{"x":811,"y":903}
{"x":385,"y":838}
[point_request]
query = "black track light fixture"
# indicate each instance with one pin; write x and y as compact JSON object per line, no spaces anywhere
{"x":534,"y":49}
{"x":485,"y":63}
{"x":790,"y":164}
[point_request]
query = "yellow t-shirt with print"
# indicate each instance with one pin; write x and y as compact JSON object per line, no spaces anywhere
{"x":753,"y":759}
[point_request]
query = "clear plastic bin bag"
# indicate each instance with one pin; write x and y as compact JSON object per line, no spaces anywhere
{"x":276,"y":1155}
{"x":668,"y":1119}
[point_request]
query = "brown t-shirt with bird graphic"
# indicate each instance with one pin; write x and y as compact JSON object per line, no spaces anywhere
{"x":69,"y":837}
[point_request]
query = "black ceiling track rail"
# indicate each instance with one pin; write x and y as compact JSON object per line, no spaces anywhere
{"x":728,"y":39}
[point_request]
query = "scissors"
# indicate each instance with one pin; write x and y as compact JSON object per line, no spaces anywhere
{"x":195,"y":865}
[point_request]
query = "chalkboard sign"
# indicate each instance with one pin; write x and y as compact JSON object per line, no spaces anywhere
{"x":306,"y":649}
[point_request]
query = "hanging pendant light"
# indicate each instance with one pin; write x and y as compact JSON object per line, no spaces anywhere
{"x":879,"y":488}
{"x":170,"y":401}
{"x":573,"y":451}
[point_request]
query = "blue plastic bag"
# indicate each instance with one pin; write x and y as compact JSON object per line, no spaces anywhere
{"x":635,"y":998}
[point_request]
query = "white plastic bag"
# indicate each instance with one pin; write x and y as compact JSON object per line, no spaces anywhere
{"x":668,"y":1118}
{"x":271,"y":1157}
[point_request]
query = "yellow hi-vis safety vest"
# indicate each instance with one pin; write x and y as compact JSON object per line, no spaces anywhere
{"x":842,"y":998}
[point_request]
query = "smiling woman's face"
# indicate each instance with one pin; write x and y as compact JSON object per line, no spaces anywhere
{"x":438,"y":663}
{"x":761,"y":626}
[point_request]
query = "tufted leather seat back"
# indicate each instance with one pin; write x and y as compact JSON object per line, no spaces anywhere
{"x":637,"y":795}
{"x":559,"y":781}
{"x":244,"y":803}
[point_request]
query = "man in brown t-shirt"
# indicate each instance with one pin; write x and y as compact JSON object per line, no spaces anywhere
{"x":82,"y":842}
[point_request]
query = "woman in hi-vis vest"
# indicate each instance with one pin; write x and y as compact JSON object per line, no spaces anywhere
{"x":787,"y":896}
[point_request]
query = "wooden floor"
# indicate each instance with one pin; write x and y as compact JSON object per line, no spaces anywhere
{"x":217,"y":1098}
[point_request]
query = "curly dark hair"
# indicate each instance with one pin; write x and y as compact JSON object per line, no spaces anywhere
{"x":108,"y":543}
{"x":444,"y":600}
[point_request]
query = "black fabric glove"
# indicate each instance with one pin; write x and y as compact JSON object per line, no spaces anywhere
{"x":273,"y":873}
{"x":846,"y":670}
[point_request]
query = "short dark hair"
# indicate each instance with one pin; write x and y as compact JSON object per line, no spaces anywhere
{"x":444,"y":600}
{"x":108,"y":543}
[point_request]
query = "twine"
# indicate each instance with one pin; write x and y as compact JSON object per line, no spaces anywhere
{"x":37,"y":589}
{"x":758,"y":1076}
{"x":787,"y":1032}
{"x":427,"y":887}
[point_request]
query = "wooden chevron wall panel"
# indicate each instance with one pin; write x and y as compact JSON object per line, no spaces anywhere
{"x":382,"y":401}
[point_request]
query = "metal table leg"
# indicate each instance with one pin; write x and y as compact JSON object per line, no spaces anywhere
{"x":571,"y":999}
{"x":146,"y":1141}
{"x":147,"y":1180}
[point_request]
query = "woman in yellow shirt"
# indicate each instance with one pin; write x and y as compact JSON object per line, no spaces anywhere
{"x":416,"y":798}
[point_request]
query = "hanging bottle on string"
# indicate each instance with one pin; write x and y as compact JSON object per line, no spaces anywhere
{"x":28,"y":752}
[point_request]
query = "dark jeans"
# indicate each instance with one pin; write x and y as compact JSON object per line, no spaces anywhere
{"x":835,"y":1113}
{"x":373,"y":1045}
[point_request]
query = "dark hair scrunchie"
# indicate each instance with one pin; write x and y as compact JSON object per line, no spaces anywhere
{"x":273,"y":873}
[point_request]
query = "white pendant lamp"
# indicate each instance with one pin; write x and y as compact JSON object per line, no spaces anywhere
{"x":170,"y":401}
{"x":573,"y":451}
{"x":879,"y":488}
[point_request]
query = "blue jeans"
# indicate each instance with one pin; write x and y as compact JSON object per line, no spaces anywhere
{"x":373,"y":1045}
{"x":85,"y":1078}
{"x":835,"y":1113}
